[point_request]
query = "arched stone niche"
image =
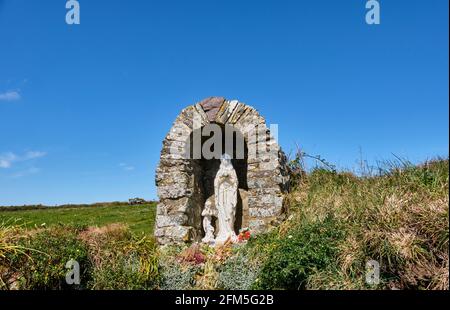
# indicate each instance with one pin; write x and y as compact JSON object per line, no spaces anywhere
{"x":185,"y":178}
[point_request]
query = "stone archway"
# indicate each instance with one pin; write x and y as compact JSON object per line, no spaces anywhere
{"x":183,"y":182}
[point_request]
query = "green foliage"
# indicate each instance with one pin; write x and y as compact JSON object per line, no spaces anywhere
{"x":431,"y":176}
{"x":127,"y":263}
{"x":42,"y":265}
{"x":309,"y":248}
{"x":175,"y":276}
{"x":121,"y":275}
{"x":238,"y":273}
{"x":398,"y":217}
{"x":296,"y":170}
{"x":110,"y":257}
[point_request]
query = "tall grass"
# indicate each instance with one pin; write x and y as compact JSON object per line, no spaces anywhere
{"x":110,"y":257}
{"x":8,"y":247}
{"x":5,"y":235}
{"x":396,"y":215}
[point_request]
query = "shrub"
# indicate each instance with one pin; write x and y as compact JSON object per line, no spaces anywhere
{"x":192,"y":255}
{"x":309,"y":247}
{"x":122,"y":273}
{"x":238,"y":273}
{"x":120,"y":259}
{"x":175,"y":276}
{"x":8,"y":247}
{"x":110,"y":257}
{"x":42,"y":265}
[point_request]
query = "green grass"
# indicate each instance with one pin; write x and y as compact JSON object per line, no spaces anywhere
{"x":398,"y":216}
{"x":110,"y":257}
{"x":139,"y":218}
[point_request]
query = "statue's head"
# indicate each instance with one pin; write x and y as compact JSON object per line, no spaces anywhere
{"x":225,"y":160}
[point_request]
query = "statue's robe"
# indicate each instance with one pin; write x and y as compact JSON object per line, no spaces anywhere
{"x":226,"y":186}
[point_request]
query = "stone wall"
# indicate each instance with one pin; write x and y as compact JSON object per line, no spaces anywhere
{"x":179,"y":180}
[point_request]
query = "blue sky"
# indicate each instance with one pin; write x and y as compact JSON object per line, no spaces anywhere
{"x":84,"y":108}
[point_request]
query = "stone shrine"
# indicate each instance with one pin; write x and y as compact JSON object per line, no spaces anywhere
{"x":220,"y":171}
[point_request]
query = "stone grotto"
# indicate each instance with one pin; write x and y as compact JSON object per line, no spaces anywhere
{"x":221,"y":171}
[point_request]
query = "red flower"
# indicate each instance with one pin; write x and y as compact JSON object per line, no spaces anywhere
{"x":192,"y":255}
{"x":244,"y":235}
{"x":199,"y":258}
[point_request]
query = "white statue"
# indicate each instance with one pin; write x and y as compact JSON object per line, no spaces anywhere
{"x":225,"y":194}
{"x":208,"y":212}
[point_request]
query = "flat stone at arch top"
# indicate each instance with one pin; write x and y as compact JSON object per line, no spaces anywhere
{"x":211,"y":106}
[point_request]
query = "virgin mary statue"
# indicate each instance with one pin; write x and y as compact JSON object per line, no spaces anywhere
{"x":225,"y":194}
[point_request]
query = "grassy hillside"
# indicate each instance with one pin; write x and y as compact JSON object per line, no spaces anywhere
{"x":338,"y":222}
{"x":398,"y":217}
{"x":139,"y":218}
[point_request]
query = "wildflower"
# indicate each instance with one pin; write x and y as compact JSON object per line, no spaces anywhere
{"x":244,"y":236}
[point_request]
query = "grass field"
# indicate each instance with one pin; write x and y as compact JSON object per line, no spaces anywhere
{"x":139,"y":218}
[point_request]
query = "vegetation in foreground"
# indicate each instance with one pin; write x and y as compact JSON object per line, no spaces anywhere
{"x":338,"y":222}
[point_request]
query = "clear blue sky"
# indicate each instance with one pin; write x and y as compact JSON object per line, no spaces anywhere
{"x":84,"y":109}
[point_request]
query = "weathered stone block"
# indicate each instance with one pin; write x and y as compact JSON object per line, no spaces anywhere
{"x":178,"y":219}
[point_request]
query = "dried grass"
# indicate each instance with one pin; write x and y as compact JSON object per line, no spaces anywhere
{"x":399,"y":217}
